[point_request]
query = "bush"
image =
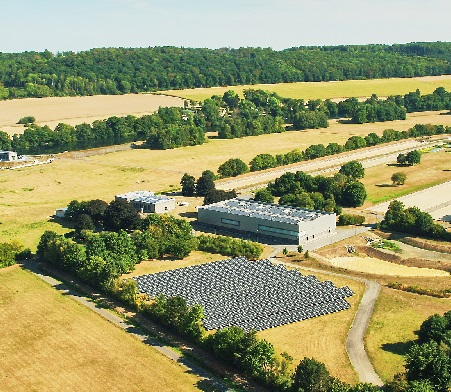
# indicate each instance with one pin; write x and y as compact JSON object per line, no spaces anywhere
{"x":228,"y":246}
{"x":26,"y":120}
{"x":350,"y":219}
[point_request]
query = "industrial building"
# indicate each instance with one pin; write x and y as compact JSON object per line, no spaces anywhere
{"x":289,"y":224}
{"x":8,"y":156}
{"x":147,"y":202}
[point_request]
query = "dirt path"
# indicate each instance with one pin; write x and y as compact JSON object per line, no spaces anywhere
{"x":355,"y":345}
{"x":213,"y":381}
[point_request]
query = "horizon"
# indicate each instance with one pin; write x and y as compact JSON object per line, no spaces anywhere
{"x":279,"y":25}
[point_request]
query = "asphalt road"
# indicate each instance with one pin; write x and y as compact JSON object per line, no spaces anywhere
{"x":355,"y":341}
{"x":369,"y":157}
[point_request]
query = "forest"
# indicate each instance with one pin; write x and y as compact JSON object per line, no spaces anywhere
{"x":131,"y":70}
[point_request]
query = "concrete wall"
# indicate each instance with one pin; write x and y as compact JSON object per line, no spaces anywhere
{"x":305,"y":231}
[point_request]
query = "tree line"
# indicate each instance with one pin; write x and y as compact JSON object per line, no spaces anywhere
{"x":132,"y":70}
{"x":259,"y":112}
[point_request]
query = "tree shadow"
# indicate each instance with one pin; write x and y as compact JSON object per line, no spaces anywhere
{"x":399,"y":348}
{"x":385,"y":185}
{"x":345,"y":121}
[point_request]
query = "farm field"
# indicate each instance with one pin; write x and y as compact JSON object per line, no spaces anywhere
{"x":324,"y":90}
{"x":29,"y":196}
{"x":50,"y":342}
{"x":392,"y":328}
{"x":76,"y":110}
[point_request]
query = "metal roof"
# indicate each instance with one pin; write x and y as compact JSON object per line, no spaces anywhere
{"x":143,"y":197}
{"x":268,"y":211}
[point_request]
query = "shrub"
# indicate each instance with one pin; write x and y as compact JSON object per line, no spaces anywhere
{"x":26,"y":120}
{"x":350,"y":219}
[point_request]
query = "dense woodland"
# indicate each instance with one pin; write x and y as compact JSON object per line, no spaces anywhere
{"x":125,"y":70}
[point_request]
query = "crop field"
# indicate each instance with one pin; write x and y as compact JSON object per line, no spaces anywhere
{"x":29,"y":196}
{"x":324,"y":90}
{"x":50,"y":342}
{"x":398,"y":315}
{"x":76,"y":110}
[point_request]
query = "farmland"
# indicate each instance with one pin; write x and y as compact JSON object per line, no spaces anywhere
{"x":50,"y":342}
{"x":329,"y":90}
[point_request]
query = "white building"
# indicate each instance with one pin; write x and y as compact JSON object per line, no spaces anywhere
{"x":292,"y":224}
{"x":8,"y":156}
{"x":147,"y":202}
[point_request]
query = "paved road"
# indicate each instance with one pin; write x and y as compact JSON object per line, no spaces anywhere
{"x":215,"y":383}
{"x":355,"y":341}
{"x":369,"y":157}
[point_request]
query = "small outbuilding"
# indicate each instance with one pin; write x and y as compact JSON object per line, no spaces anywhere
{"x":148,"y":202}
{"x":60,"y":212}
{"x":289,"y":224}
{"x":8,"y":156}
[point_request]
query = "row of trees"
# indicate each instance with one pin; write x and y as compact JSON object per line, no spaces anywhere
{"x":412,"y":220}
{"x":125,"y":70}
{"x":320,"y":193}
{"x":229,"y":246}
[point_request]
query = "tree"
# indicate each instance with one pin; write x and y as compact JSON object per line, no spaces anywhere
{"x":429,"y":362}
{"x":205,"y":183}
{"x":398,"y":178}
{"x":413,"y":157}
{"x":401,"y":159}
{"x":262,"y":162}
{"x":353,"y":194}
{"x":120,"y":215}
{"x":84,"y":222}
{"x":232,"y":168}
{"x":353,"y":169}
{"x":217,"y":195}
{"x":264,"y":195}
{"x":188,"y":184}
{"x":433,"y":328}
{"x":311,"y":376}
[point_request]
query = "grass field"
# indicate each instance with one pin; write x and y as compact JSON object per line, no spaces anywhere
{"x":324,"y":90}
{"x":398,"y":315}
{"x":431,"y":171}
{"x":322,"y":338}
{"x":29,"y":196}
{"x":52,"y":343}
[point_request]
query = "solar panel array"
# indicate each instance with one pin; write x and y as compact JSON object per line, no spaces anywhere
{"x":253,"y":295}
{"x":267,"y":211}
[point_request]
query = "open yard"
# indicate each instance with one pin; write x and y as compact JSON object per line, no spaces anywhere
{"x":50,"y":342}
{"x":324,"y":90}
{"x":76,"y":110}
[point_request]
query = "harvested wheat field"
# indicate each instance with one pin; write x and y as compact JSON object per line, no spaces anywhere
{"x":375,"y":266}
{"x":324,"y":90}
{"x":52,"y":343}
{"x":76,"y":110}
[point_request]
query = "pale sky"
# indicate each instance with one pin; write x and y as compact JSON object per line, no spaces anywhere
{"x":76,"y":25}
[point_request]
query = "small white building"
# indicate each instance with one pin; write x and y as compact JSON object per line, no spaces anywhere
{"x":8,"y":156}
{"x":290,"y":224}
{"x":148,"y":202}
{"x":60,"y":212}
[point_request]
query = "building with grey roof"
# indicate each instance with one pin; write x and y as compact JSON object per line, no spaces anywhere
{"x":148,"y":202}
{"x":288,"y":224}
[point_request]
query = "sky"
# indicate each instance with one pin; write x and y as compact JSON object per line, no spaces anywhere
{"x":77,"y":25}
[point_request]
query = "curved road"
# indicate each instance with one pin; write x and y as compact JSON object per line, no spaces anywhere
{"x":354,"y":343}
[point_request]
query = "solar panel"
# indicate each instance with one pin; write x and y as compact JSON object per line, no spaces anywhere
{"x":253,"y":295}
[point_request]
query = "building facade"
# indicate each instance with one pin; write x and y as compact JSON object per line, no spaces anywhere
{"x":148,"y":202}
{"x":290,"y":224}
{"x":8,"y":156}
